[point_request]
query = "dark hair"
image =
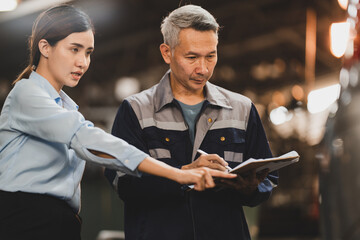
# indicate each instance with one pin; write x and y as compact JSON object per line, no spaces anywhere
{"x":53,"y":25}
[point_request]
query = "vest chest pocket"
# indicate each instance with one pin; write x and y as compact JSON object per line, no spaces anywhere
{"x":162,"y":143}
{"x":228,"y":143}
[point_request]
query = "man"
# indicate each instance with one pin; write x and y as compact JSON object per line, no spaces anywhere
{"x":174,"y":119}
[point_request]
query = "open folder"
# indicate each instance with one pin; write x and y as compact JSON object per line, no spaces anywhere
{"x":272,"y":164}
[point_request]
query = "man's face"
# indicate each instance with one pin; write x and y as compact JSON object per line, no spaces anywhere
{"x":193,"y":60}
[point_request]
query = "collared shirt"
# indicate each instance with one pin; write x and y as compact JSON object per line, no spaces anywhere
{"x":44,"y":140}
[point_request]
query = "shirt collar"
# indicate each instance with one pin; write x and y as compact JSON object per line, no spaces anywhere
{"x":164,"y":95}
{"x":68,"y":102}
{"x":62,"y":99}
{"x":215,"y":97}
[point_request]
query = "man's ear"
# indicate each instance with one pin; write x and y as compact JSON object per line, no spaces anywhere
{"x":44,"y":48}
{"x":166,"y":52}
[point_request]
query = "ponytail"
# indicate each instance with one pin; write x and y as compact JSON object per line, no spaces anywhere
{"x":25,"y":73}
{"x":32,"y":59}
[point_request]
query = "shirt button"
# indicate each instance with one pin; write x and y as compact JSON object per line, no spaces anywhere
{"x":126,"y":161}
{"x":222,"y":139}
{"x":167,"y":139}
{"x":210,"y":120}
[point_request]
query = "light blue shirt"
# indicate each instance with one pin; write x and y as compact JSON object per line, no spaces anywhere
{"x":44,"y":141}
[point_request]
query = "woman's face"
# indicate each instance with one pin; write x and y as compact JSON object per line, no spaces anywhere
{"x":69,"y":59}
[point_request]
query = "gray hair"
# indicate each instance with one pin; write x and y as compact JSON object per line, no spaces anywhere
{"x":188,"y":16}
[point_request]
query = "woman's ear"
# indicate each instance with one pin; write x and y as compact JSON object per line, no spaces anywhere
{"x":44,"y":48}
{"x":166,"y":52}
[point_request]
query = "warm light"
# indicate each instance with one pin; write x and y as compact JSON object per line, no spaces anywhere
{"x":280,"y":115}
{"x":320,"y":99}
{"x":297,"y":92}
{"x":339,"y":36}
{"x":278,"y":98}
{"x":8,"y":5}
{"x":343,"y":4}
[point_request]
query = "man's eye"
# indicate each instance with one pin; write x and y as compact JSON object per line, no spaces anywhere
{"x":75,"y":49}
{"x":191,"y":57}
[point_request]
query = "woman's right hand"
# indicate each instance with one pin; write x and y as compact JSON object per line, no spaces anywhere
{"x":201,"y":177}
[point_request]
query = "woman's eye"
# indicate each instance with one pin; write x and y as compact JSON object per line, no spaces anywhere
{"x":75,"y":49}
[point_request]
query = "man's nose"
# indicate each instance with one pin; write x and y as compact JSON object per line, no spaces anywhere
{"x":202,"y":67}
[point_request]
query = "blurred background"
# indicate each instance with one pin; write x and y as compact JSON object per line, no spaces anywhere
{"x":296,"y":60}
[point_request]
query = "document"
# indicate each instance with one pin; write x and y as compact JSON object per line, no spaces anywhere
{"x":272,"y":164}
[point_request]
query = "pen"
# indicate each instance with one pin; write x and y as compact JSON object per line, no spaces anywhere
{"x":204,"y":153}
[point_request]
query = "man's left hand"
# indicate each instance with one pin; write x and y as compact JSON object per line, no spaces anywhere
{"x":246,"y":183}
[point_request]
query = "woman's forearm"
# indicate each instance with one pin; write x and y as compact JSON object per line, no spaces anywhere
{"x":154,"y":167}
{"x":201,"y":177}
{"x":149,"y":165}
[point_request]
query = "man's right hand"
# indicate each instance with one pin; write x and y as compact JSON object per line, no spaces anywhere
{"x":212,"y":161}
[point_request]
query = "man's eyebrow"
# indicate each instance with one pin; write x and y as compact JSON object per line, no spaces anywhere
{"x":194,"y":53}
{"x":80,"y":45}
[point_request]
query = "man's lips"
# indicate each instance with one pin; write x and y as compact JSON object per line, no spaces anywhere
{"x":198,"y":80}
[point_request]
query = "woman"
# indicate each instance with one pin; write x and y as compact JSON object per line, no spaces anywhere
{"x":44,"y":139}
